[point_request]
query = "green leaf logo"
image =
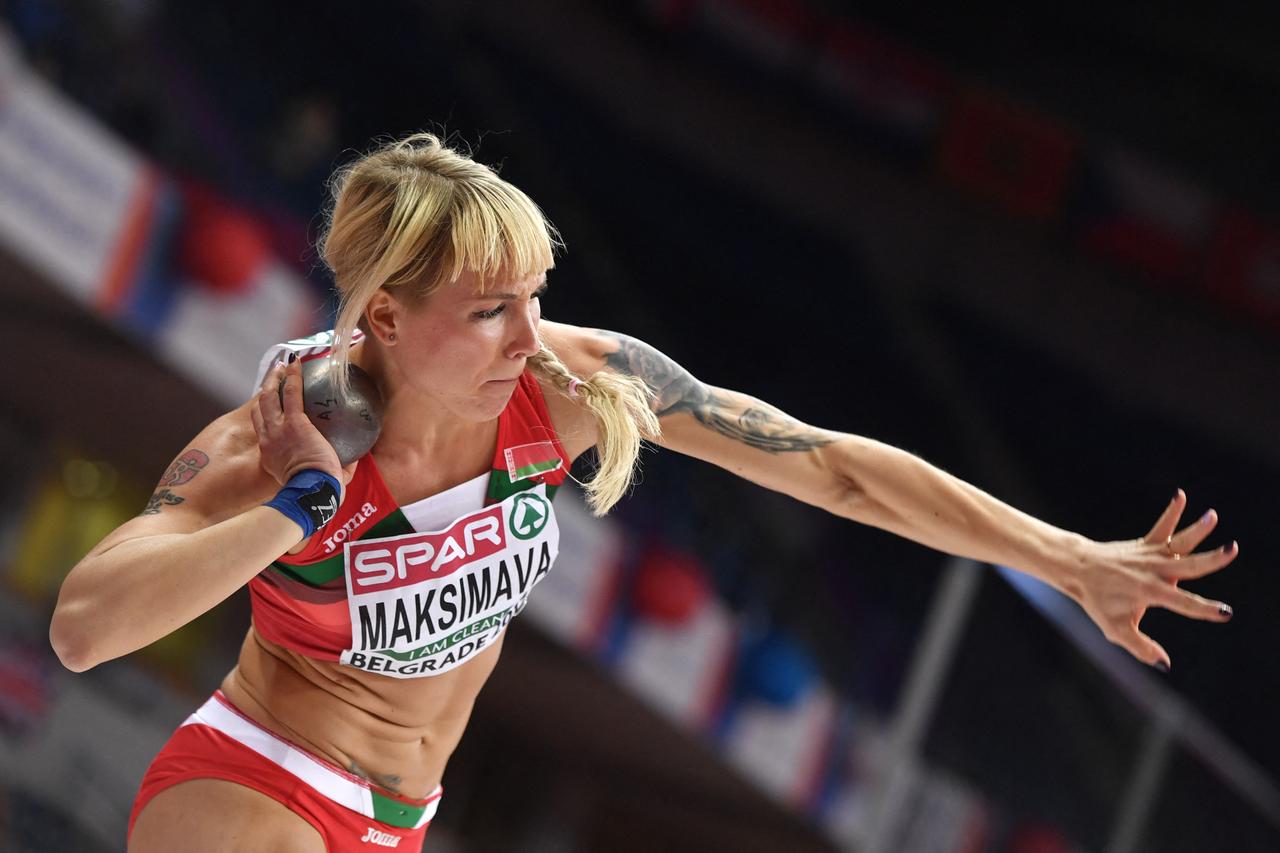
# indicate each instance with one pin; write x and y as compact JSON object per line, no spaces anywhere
{"x":529,"y":514}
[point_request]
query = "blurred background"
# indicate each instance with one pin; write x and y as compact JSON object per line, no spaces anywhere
{"x":1039,"y":249}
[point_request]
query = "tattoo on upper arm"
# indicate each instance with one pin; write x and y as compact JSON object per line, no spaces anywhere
{"x":183,"y":470}
{"x":676,"y":390}
{"x":185,"y":467}
{"x":159,"y":500}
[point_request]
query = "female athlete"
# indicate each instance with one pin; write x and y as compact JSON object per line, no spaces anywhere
{"x":381,"y":591}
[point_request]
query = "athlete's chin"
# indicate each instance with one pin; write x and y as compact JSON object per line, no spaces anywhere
{"x":491,"y":400}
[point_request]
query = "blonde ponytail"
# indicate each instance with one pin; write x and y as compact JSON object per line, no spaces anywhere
{"x":623,"y":416}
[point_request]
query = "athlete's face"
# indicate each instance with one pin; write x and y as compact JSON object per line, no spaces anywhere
{"x":465,"y":349}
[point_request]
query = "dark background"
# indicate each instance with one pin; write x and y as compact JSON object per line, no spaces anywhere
{"x":772,"y":239}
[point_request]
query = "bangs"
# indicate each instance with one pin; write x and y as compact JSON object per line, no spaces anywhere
{"x":500,"y":235}
{"x":485,"y":227}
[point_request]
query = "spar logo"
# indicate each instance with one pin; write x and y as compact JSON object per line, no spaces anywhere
{"x":529,"y":515}
{"x":404,"y":560}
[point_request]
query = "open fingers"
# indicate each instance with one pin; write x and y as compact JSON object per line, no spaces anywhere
{"x":1145,"y":649}
{"x":1189,"y":538}
{"x":1190,"y":605}
{"x":1206,"y":563}
{"x":1167,"y":523}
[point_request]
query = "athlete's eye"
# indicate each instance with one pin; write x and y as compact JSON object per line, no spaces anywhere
{"x":494,"y":312}
{"x":489,"y":315}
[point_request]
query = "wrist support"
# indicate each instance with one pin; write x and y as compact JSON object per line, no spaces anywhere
{"x":310,"y":499}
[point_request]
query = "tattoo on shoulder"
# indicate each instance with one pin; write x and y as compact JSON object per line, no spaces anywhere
{"x":185,"y":467}
{"x":676,"y":390}
{"x":159,"y":500}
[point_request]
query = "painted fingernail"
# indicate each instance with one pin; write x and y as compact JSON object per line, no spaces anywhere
{"x":1204,"y":519}
{"x":1162,"y":666}
{"x":293,"y":356}
{"x":1226,"y":611}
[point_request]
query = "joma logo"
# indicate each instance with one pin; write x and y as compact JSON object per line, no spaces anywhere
{"x":382,"y":839}
{"x":351,"y":525}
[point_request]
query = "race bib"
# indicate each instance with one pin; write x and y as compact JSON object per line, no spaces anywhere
{"x":423,"y":603}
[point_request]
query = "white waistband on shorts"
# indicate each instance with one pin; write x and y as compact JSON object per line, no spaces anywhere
{"x":335,"y":784}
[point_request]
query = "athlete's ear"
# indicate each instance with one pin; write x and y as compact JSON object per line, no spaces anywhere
{"x":382,"y":315}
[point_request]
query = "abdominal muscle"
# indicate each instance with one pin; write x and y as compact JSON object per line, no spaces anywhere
{"x":397,"y":733}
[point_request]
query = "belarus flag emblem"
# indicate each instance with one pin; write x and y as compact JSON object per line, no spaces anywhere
{"x":530,"y":460}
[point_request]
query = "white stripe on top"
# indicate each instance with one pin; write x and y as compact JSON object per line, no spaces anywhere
{"x":340,"y":787}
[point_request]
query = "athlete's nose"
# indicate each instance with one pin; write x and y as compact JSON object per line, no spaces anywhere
{"x":524,"y":342}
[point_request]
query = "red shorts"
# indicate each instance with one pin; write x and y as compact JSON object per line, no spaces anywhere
{"x":220,"y":742}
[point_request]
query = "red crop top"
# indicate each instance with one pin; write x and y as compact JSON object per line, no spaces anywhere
{"x":376,"y":593}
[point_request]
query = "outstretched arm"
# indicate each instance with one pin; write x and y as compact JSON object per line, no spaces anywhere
{"x":876,"y":484}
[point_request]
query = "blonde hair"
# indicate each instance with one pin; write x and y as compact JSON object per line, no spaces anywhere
{"x":416,"y":214}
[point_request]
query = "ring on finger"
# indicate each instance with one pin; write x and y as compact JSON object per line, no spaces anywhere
{"x":1168,"y":546}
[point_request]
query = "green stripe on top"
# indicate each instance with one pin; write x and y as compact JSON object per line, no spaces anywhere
{"x":330,"y":568}
{"x":501,"y":487}
{"x":298,"y":573}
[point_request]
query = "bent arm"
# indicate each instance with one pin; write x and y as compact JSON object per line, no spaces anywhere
{"x":189,"y":550}
{"x":143,"y":589}
{"x":203,"y":534}
{"x":854,"y":477}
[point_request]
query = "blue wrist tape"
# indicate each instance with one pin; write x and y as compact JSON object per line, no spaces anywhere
{"x":310,"y":498}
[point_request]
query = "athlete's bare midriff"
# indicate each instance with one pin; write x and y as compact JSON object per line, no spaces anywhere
{"x":398,"y":733}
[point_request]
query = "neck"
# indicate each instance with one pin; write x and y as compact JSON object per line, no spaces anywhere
{"x":413,"y":423}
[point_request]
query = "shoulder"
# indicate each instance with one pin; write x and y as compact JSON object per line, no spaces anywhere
{"x":583,"y":352}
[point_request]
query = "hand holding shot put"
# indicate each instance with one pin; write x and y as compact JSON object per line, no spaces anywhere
{"x":288,"y":441}
{"x":347,"y":422}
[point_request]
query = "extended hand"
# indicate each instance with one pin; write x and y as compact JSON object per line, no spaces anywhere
{"x":1120,"y":580}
